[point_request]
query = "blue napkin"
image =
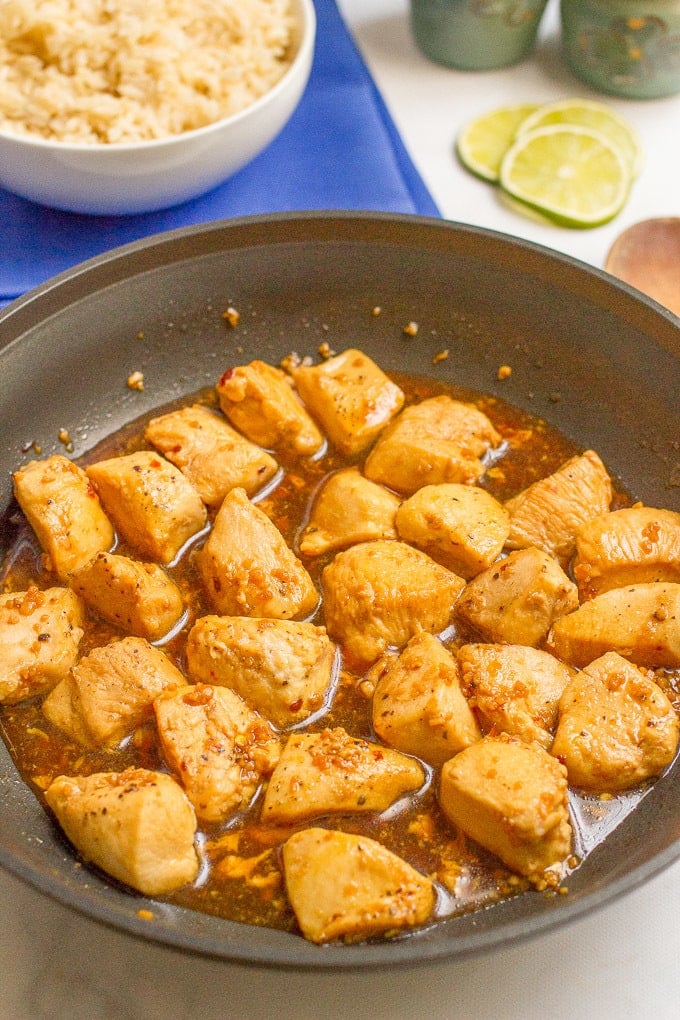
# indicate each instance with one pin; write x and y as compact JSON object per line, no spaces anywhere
{"x":340,"y":150}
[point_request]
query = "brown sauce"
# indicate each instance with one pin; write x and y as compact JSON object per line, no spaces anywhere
{"x":241,"y":879}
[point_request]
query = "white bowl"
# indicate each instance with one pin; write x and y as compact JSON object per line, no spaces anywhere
{"x":121,"y":178}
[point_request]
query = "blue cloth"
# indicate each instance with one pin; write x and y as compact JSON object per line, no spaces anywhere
{"x":340,"y":150}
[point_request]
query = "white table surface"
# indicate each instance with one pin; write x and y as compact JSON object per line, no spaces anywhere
{"x":621,"y":962}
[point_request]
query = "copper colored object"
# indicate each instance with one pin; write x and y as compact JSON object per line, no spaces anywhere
{"x":647,"y":256}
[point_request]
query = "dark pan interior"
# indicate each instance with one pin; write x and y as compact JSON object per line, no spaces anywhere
{"x":587,"y":353}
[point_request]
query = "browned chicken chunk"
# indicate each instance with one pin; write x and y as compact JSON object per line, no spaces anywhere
{"x":332,"y":771}
{"x":154,"y":507}
{"x":516,"y":600}
{"x":641,"y":622}
{"x":110,"y":692}
{"x":348,"y":887}
{"x":515,"y":688}
{"x":40,"y":632}
{"x":550,"y":512}
{"x":438,"y":440}
{"x":213,"y":456}
{"x":617,"y":728}
{"x":282,"y":668}
{"x":461,"y":526}
{"x":378,"y":594}
{"x":137,"y":826}
{"x":260,"y":401}
{"x":248,"y":569}
{"x":511,"y":798}
{"x":348,"y":509}
{"x":351,"y":397}
{"x":64,"y":511}
{"x":634,"y":545}
{"x":418,"y":705}
{"x":139,"y":598}
{"x":217,"y":746}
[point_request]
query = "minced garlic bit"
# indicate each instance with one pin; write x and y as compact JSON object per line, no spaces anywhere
{"x":440,"y":356}
{"x":145,"y":915}
{"x":504,"y":372}
{"x":140,"y":335}
{"x":325,"y":350}
{"x":231,"y":316}
{"x":376,"y":310}
{"x":65,"y":438}
{"x":291,"y":361}
{"x":135,"y":381}
{"x":411,"y":328}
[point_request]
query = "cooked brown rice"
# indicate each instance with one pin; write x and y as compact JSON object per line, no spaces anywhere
{"x":133,"y":70}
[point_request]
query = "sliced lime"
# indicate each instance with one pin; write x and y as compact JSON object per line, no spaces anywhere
{"x":483,"y":142}
{"x":571,"y":174}
{"x":591,"y":114}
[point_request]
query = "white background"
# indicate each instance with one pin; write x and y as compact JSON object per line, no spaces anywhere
{"x":621,"y":962}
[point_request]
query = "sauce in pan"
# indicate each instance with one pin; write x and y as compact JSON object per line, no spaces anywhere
{"x":241,"y":877}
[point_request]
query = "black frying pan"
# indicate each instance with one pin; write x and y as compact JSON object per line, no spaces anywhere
{"x":587,"y":353}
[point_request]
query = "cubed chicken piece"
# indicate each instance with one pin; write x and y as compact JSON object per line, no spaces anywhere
{"x":634,"y":545}
{"x":460,"y":526}
{"x":332,"y":771}
{"x":64,"y":511}
{"x":156,"y":510}
{"x":348,"y":509}
{"x":418,"y":705}
{"x":348,"y":887}
{"x":213,"y":456}
{"x":378,"y":594}
{"x":62,"y":708}
{"x":516,"y":600}
{"x":516,"y":689}
{"x":617,"y":728}
{"x":284,"y":669}
{"x":351,"y":397}
{"x":40,"y":632}
{"x":549,"y":513}
{"x":510,"y":797}
{"x":437,"y":441}
{"x":248,"y":569}
{"x":641,"y":622}
{"x":110,"y":692}
{"x":219,"y":748}
{"x":137,"y":826}
{"x":259,"y":400}
{"x":139,"y":598}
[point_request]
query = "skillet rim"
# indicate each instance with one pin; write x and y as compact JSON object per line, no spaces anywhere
{"x":124,"y":262}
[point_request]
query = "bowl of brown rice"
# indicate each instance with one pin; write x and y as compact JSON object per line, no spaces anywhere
{"x":135,"y":105}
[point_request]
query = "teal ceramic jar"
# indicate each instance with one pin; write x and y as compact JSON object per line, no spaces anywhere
{"x":624,"y":47}
{"x":476,"y":35}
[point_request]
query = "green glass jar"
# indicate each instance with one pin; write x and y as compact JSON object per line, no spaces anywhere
{"x":476,"y":35}
{"x":624,"y":47}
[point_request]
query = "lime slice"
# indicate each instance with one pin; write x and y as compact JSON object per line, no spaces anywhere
{"x":483,"y":142}
{"x":590,"y":114}
{"x":571,"y":174}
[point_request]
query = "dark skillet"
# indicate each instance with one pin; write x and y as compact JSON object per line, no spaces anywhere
{"x":587,"y":353}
